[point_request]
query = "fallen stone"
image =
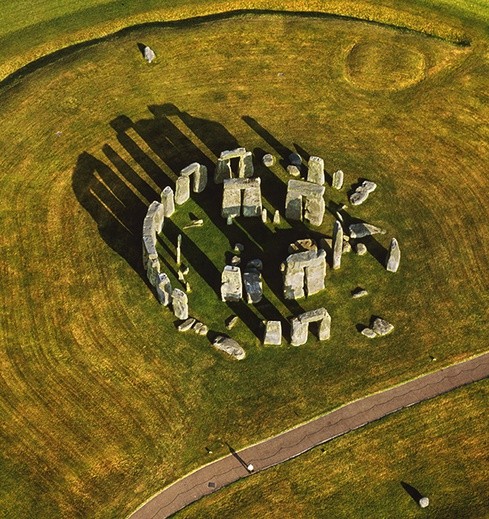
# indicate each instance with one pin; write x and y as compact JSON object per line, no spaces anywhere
{"x":346,"y":246}
{"x":338,"y":178}
{"x":195,"y":223}
{"x":382,"y":327}
{"x":149,"y":54}
{"x":293,"y":170}
{"x":255,"y":263}
{"x":238,"y":247}
{"x":235,"y":261}
{"x":393,"y":256}
{"x":302,"y":246}
{"x":204,"y":330}
{"x":360,"y":230}
{"x":197,"y":326}
{"x":268,"y":160}
{"x":186,"y":325}
{"x":337,"y":244}
{"x":231,"y":284}
{"x":368,"y":333}
{"x":361,"y":249}
{"x":295,"y":159}
{"x":231,"y":321}
{"x":273,"y":333}
{"x":229,"y":346}
{"x":362,"y":191}
{"x":359,"y":292}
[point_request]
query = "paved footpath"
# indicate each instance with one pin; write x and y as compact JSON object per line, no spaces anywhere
{"x":293,"y":442}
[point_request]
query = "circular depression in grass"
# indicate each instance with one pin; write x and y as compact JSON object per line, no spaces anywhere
{"x":384,"y":66}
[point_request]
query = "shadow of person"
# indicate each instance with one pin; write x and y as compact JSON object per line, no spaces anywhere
{"x":413,"y":492}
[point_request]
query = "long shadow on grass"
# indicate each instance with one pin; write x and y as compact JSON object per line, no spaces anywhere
{"x":117,"y":196}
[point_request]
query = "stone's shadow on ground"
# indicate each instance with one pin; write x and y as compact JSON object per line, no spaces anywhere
{"x":413,"y":492}
{"x":117,"y":197}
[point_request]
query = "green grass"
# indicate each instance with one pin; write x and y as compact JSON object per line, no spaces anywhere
{"x":103,"y":403}
{"x":438,"y":447}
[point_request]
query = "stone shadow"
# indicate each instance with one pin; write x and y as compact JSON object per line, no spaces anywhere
{"x":413,"y":492}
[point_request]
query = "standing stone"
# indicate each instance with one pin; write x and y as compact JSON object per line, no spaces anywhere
{"x":168,"y":201}
{"x":361,"y":249}
{"x":338,"y":178}
{"x":246,"y":169}
{"x":315,"y":172}
{"x":314,"y":205}
{"x":223,"y":170}
{"x":276,"y":217}
{"x":322,"y":316}
{"x":179,"y":301}
{"x":186,"y":325}
{"x":273,"y":333}
{"x":295,"y":159}
{"x":314,"y":210}
{"x":163,"y":289}
{"x":299,"y":331}
{"x":253,"y":285}
{"x":200,"y":179}
{"x":337,"y":244}
{"x":252,"y":204}
{"x":264,"y":216}
{"x":179,"y":249}
{"x":231,"y":284}
{"x":231,"y":201}
{"x":393,"y":256}
{"x":182,"y":190}
{"x":153,"y":271}
{"x":229,"y":220}
{"x":304,"y":269}
{"x":149,"y":54}
{"x":268,"y":160}
{"x":424,"y":502}
{"x":293,"y":170}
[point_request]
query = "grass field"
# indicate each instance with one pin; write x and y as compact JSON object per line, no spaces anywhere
{"x":438,"y":447}
{"x":102,"y":402}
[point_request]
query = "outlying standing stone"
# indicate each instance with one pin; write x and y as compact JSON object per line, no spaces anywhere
{"x":180,"y":304}
{"x":229,"y":346}
{"x":149,"y":54}
{"x":393,"y":256}
{"x":273,"y":333}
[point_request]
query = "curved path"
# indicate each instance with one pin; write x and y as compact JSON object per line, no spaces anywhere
{"x":293,"y":442}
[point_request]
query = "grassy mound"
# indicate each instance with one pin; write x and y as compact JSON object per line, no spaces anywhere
{"x":103,"y":402}
{"x":384,"y":66}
